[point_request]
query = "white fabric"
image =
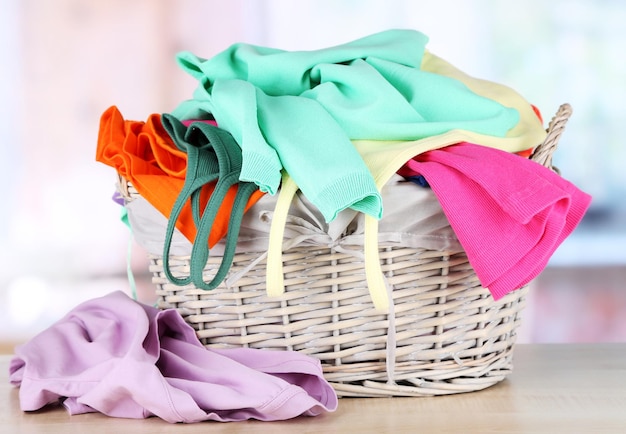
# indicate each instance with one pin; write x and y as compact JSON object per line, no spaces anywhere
{"x":412,"y":217}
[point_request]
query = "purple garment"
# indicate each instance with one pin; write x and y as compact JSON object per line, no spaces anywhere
{"x":119,"y":357}
{"x":117,"y":198}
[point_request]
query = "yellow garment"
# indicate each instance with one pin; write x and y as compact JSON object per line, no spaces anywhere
{"x":384,"y":158}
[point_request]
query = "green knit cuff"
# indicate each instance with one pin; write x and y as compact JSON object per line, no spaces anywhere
{"x":356,"y":190}
{"x":262,"y":169}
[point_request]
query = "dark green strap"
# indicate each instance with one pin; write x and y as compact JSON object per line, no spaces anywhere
{"x":200,"y":251}
{"x":194,"y":181}
{"x":212,"y":154}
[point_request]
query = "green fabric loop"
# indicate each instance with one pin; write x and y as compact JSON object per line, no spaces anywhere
{"x":200,"y":251}
{"x":199,"y":172}
{"x":212,"y":154}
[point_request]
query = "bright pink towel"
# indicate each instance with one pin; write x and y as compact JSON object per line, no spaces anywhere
{"x":124,"y":359}
{"x":509,"y":213}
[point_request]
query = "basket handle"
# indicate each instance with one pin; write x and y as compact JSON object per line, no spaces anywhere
{"x":543,"y":153}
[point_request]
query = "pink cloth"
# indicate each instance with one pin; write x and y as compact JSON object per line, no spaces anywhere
{"x":509,"y":213}
{"x":191,"y":121}
{"x":124,"y":359}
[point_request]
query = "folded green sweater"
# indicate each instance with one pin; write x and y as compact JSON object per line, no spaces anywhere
{"x":298,"y":111}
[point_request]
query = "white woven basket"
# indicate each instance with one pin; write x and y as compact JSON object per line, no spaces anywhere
{"x":445,"y":334}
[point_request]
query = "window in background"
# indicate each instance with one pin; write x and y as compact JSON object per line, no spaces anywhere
{"x":62,"y":240}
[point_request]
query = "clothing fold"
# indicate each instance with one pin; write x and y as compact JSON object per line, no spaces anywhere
{"x":509,"y":213}
{"x":145,"y":155}
{"x":372,"y":88}
{"x":330,"y":128}
{"x":212,"y":156}
{"x":124,"y":359}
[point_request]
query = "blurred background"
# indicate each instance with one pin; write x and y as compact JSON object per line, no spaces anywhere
{"x":65,"y":61}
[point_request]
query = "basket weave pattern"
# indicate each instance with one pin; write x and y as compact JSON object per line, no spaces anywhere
{"x":445,"y":333}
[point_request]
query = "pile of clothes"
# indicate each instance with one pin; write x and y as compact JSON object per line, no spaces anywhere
{"x":337,"y":125}
{"x":376,"y":140}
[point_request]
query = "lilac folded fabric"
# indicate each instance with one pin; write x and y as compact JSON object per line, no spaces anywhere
{"x":125,"y":359}
{"x":509,"y":213}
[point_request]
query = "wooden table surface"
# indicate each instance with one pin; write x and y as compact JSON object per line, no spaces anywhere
{"x":553,"y":389}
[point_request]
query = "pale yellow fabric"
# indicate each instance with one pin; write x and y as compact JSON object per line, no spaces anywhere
{"x":274,"y":273}
{"x":384,"y":158}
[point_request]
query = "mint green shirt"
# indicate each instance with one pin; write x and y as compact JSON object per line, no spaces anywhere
{"x":298,"y":111}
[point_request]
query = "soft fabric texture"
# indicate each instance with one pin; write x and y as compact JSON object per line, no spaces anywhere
{"x":125,"y":359}
{"x":248,"y":88}
{"x":146,"y":156}
{"x":509,"y":213}
{"x":384,"y":158}
{"x":372,"y":88}
{"x":413,"y":218}
{"x":212,"y":155}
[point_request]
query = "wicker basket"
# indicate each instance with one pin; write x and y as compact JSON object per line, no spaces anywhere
{"x":445,"y":334}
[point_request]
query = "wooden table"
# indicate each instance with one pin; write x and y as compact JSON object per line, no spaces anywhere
{"x":553,"y":389}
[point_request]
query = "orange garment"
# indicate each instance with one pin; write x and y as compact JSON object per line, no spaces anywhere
{"x":145,"y":155}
